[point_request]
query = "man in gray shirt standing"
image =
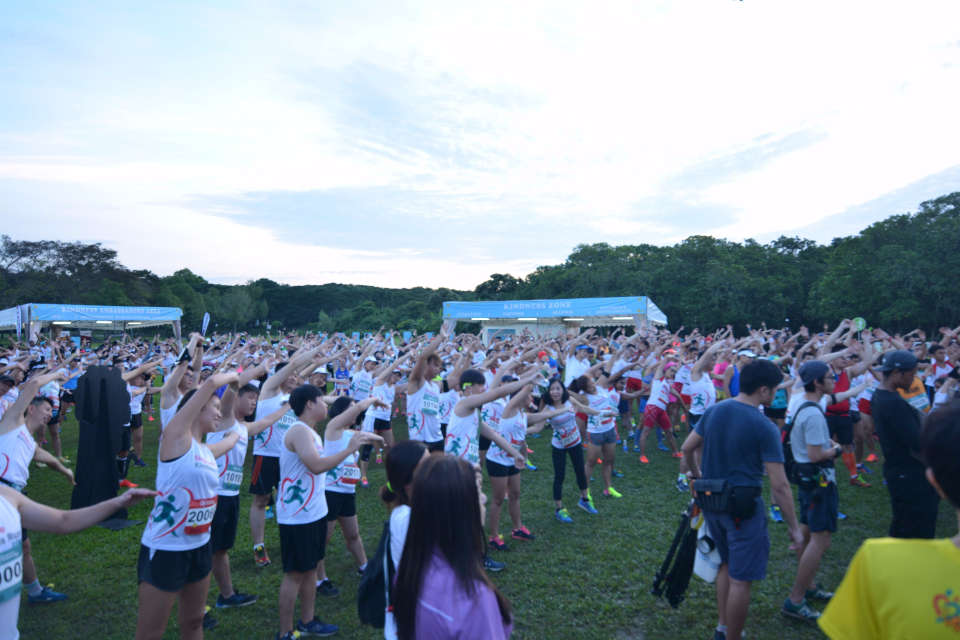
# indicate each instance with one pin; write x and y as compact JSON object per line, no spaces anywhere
{"x":814,"y":452}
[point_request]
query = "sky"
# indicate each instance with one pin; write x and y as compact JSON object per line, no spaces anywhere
{"x":406,"y":144}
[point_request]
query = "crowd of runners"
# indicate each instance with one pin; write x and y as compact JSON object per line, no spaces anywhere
{"x":321,"y":409}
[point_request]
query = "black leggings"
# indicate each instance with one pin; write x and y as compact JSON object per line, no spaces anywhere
{"x":560,"y":468}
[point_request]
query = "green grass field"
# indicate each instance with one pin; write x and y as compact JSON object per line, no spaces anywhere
{"x":589,"y":579}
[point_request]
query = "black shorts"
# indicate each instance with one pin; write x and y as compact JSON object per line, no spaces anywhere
{"x":818,"y":508}
{"x":223,"y":529}
{"x":172,"y":570}
{"x":341,"y":505}
{"x":266,"y":475}
{"x":497,"y":470}
{"x":434,"y":446}
{"x":381,"y":425}
{"x":68,"y":397}
{"x":302,"y":546}
{"x":841,"y":428}
{"x":484,"y":443}
{"x":136,"y":421}
{"x":365,"y":452}
{"x":443,"y":430}
{"x":624,"y":406}
{"x":54,"y":418}
{"x":694,"y":419}
{"x":125,"y":438}
{"x":775,"y":414}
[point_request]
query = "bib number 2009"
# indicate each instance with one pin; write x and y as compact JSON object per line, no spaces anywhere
{"x":200,"y":515}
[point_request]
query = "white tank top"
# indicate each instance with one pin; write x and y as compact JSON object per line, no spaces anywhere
{"x":269,"y":441}
{"x":16,"y":452}
{"x":566,"y":434}
{"x":601,"y":401}
{"x":491,"y":412}
{"x":300,"y":496}
{"x":514,"y":430}
{"x":386,"y":394}
{"x":703,"y":394}
{"x":344,"y":477}
{"x":360,"y":385}
{"x":166,"y":415}
{"x":463,"y":439}
{"x":230,"y":464}
{"x":136,"y":401}
{"x":183,"y":511}
{"x":11,"y":569}
{"x":423,"y":413}
{"x":660,"y":393}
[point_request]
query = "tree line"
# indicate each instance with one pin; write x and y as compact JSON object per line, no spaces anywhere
{"x":898,"y":273}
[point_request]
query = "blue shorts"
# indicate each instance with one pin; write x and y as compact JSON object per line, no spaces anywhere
{"x":818,"y":508}
{"x":604,"y":437}
{"x":743,"y":549}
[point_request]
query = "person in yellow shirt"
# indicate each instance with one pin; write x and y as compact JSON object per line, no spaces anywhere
{"x":908,"y":588}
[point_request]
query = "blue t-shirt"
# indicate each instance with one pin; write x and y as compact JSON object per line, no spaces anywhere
{"x":737,"y":440}
{"x":735,"y":382}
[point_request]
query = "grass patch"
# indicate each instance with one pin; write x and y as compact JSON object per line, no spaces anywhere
{"x":589,"y":579}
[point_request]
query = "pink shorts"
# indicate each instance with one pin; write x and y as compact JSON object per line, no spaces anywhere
{"x":655,"y":416}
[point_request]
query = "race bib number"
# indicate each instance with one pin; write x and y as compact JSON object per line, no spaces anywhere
{"x":569,"y":438}
{"x":200,"y":515}
{"x":920,"y":402}
{"x":350,"y":475}
{"x":473,"y":452}
{"x":232,"y":477}
{"x":431,"y":404}
{"x":11,"y":572}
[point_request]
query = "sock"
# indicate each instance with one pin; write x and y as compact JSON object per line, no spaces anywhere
{"x":34,"y":588}
{"x":851,"y":462}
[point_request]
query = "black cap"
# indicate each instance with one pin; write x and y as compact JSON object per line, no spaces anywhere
{"x":813,"y":370}
{"x":898,"y":360}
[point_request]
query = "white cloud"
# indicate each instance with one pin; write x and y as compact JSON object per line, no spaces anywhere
{"x":533,"y":112}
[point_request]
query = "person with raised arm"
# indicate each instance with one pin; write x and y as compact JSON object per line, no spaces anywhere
{"x":175,"y":555}
{"x":302,"y":508}
{"x":423,"y":397}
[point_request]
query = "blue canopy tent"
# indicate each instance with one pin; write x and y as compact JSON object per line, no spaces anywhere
{"x":545,"y":317}
{"x":34,"y":316}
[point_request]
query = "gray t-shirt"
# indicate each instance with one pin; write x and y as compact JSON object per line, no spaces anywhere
{"x":809,"y":428}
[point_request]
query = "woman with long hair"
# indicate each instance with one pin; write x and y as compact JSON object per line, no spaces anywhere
{"x":441,"y":590}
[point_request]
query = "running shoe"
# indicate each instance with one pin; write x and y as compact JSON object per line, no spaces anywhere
{"x":64,"y":459}
{"x":268,"y":513}
{"x":683,"y":485}
{"x":616,"y":474}
{"x":872,"y":458}
{"x":563,"y":515}
{"x":529,"y":450}
{"x":492,"y":565}
{"x":841,"y":516}
{"x":676,"y":455}
{"x":236,"y":600}
{"x":644,"y":459}
{"x":364,"y":482}
{"x":41,"y":465}
{"x":209,"y":622}
{"x":662,"y":447}
{"x":293,"y":635}
{"x":327,"y":589}
{"x":497,"y":543}
{"x":149,"y":418}
{"x":126,"y":483}
{"x":599,"y":460}
{"x":775,"y":514}
{"x":317,"y":627}
{"x":379,"y":458}
{"x":636,"y":448}
{"x":138,"y":462}
{"x":626,"y":447}
{"x":530,"y":465}
{"x":864,"y":468}
{"x":47,"y":595}
{"x":819,"y":593}
{"x":610,"y":492}
{"x":801,"y":611}
{"x":260,"y":557}
{"x":720,"y":635}
{"x":587,"y":505}
{"x":858,"y":481}
{"x":522,"y":534}
{"x":534,"y":435}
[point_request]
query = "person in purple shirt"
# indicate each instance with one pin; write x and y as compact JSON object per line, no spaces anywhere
{"x":441,"y":590}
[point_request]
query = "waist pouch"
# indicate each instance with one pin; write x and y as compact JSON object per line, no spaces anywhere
{"x":718,"y":496}
{"x":810,"y":475}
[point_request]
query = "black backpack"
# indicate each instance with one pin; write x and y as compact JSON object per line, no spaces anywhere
{"x":789,"y":463}
{"x":373,"y":596}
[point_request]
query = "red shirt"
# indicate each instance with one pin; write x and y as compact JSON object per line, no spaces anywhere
{"x":841,"y":408}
